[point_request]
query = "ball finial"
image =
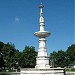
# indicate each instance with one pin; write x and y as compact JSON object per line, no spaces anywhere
{"x":40,"y":1}
{"x":41,"y":5}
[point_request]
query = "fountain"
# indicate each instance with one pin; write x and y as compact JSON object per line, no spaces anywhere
{"x":42,"y":66}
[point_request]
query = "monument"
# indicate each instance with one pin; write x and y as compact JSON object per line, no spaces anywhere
{"x":42,"y":60}
{"x":42,"y":66}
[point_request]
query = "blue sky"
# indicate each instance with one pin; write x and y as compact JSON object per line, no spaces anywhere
{"x":19,"y":19}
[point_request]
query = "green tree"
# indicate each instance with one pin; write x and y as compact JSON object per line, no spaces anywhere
{"x":58,"y":58}
{"x":53,"y":59}
{"x":9,"y":53}
{"x":71,"y":53}
{"x":1,"y":46}
{"x":28,"y":59}
{"x":2,"y":63}
{"x":61,"y":59}
{"x":17,"y":58}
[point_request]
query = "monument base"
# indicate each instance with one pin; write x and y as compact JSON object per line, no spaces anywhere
{"x":51,"y":71}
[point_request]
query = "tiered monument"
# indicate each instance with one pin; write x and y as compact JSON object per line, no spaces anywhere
{"x":42,"y":60}
{"x":42,"y":66}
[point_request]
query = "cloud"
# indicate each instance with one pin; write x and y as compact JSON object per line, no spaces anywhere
{"x":17,"y":19}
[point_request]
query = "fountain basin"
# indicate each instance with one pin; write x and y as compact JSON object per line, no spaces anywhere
{"x":51,"y":71}
{"x":42,"y":34}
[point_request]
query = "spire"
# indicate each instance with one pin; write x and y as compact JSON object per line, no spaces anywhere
{"x":41,"y":8}
{"x":41,"y":16}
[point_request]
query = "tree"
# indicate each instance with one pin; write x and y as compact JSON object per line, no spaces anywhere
{"x":53,"y":59}
{"x":1,"y":46}
{"x":14,"y":58}
{"x":2,"y":63}
{"x":71,"y":53}
{"x":58,"y":58}
{"x":61,"y":58}
{"x":28,"y":59}
{"x":17,"y":59}
{"x":9,"y":52}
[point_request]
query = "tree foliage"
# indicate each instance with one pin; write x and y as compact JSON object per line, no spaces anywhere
{"x":1,"y":61}
{"x":58,"y":58}
{"x":12,"y":57}
{"x":63,"y":58}
{"x":10,"y":54}
{"x":28,"y":58}
{"x":71,"y":52}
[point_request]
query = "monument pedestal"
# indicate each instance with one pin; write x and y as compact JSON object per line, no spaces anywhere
{"x":42,"y":63}
{"x":51,"y":71}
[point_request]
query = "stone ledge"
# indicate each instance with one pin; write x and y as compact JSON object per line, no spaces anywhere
{"x":42,"y":69}
{"x":51,"y":71}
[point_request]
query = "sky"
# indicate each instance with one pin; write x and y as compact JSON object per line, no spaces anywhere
{"x":19,"y":19}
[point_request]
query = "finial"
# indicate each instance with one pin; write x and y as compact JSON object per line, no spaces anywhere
{"x":41,"y":5}
{"x":40,"y":1}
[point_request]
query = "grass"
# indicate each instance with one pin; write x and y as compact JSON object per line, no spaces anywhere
{"x":70,"y":69}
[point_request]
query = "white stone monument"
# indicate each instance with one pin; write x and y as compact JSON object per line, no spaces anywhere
{"x":42,"y":66}
{"x":42,"y":60}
